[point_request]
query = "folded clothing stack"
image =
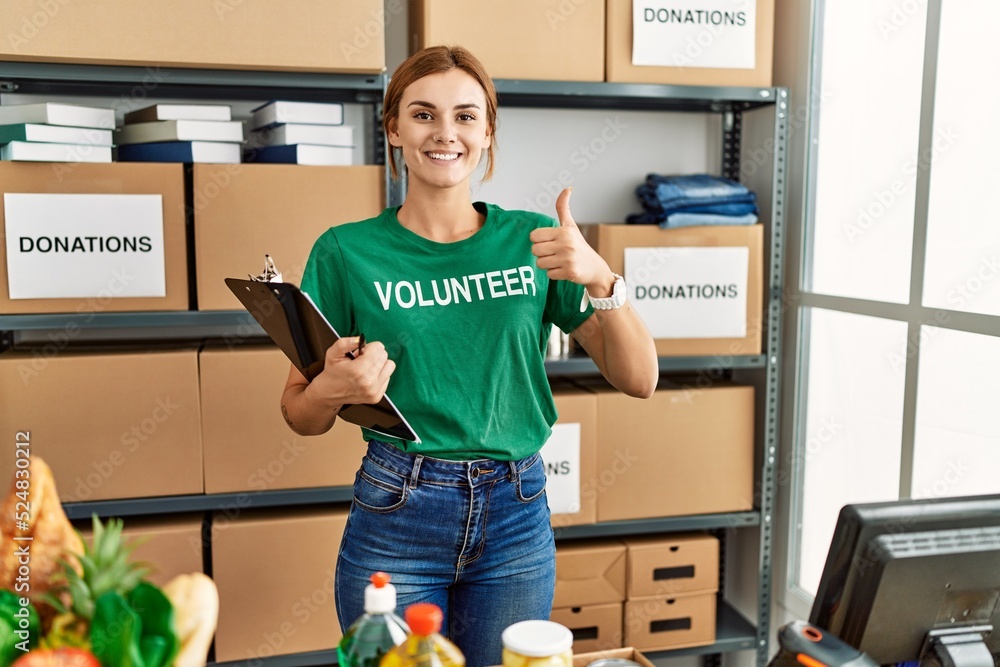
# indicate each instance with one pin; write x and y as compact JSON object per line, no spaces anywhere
{"x":694,"y":199}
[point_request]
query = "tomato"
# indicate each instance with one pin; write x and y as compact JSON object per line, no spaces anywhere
{"x":60,"y":657}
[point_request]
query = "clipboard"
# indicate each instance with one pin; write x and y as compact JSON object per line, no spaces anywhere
{"x":296,"y":325}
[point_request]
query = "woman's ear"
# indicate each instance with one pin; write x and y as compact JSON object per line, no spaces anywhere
{"x":392,"y":134}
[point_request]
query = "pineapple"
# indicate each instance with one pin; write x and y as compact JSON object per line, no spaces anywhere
{"x":105,"y":567}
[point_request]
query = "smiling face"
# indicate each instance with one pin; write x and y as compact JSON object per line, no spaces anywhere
{"x":442,"y":129}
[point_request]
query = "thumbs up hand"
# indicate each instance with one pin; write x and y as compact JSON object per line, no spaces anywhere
{"x":564,"y":254}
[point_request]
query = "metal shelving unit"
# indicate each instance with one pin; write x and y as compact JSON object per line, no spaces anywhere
{"x":733,"y":631}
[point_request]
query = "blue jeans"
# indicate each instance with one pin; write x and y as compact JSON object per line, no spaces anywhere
{"x":473,"y":537}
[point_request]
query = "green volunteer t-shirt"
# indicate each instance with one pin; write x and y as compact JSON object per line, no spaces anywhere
{"x":467,"y":324}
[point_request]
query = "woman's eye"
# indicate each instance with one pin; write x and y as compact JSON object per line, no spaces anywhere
{"x":466,"y":117}
{"x":422,"y":115}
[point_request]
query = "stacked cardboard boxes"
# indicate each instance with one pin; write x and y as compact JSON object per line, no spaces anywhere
{"x":590,"y":593}
{"x":651,"y":592}
{"x":68,"y":259}
{"x":672,"y":585}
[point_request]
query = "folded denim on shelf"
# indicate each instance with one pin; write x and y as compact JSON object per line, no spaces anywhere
{"x":645,"y":218}
{"x":650,"y":200}
{"x":692,"y":186}
{"x":717,"y":208}
{"x":703,"y":194}
{"x":676,"y":220}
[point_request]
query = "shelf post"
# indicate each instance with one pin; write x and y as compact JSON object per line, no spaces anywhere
{"x":775,"y":307}
{"x":732,"y":137}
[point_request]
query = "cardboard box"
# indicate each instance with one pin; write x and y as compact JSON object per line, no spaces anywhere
{"x":248,"y":446}
{"x":691,"y":47}
{"x":166,"y":180}
{"x":574,"y":434}
{"x":171,"y":545}
{"x":110,"y":425}
{"x":681,"y":451}
{"x":659,"y":566}
{"x":590,"y":573}
{"x":554,"y":41}
{"x":594,"y":628}
{"x":670,"y":622}
{"x":611,"y":241}
{"x":244,"y":211}
{"x":629,"y":653}
{"x":275,"y":574}
{"x":303,"y":35}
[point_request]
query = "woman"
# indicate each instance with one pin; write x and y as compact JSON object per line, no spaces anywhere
{"x":457,"y":300}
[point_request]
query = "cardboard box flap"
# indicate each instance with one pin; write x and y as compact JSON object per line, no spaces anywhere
{"x":590,"y":573}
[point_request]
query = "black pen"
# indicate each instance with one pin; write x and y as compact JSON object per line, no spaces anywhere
{"x":361,"y":348}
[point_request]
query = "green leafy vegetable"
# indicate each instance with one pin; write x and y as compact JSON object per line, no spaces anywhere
{"x":134,"y":632}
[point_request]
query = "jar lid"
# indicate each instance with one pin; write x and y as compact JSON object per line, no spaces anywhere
{"x":537,"y":639}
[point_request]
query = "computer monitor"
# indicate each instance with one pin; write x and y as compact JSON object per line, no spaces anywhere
{"x":915,"y":580}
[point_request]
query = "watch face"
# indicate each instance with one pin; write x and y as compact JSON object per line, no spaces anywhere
{"x":618,"y":294}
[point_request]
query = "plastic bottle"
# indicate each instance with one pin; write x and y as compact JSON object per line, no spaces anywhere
{"x":377,"y":631}
{"x":425,"y":647}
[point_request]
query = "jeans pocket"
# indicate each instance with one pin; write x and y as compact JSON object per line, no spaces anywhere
{"x":531,"y":481}
{"x":378,"y":490}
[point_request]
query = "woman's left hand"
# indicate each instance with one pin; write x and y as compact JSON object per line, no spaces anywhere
{"x":563,"y":253}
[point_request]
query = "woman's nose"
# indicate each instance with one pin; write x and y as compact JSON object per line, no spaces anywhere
{"x":444,"y":133}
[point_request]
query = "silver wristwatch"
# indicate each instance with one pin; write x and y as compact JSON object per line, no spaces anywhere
{"x":616,"y":300}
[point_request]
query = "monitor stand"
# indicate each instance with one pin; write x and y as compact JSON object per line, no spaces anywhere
{"x":959,"y":647}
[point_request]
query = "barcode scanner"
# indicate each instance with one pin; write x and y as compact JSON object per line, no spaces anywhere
{"x":805,"y":645}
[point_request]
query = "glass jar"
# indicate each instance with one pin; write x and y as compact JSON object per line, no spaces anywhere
{"x":537,"y":644}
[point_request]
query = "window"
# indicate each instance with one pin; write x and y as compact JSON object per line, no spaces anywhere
{"x":854,"y":414}
{"x":899,"y":297}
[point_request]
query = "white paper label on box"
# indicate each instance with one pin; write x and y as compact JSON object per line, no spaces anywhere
{"x":561,"y":455}
{"x":690,"y":33}
{"x":84,"y":245}
{"x":689,"y":292}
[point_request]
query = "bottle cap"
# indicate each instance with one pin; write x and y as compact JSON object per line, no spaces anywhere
{"x":537,"y":639}
{"x":424,"y":618}
{"x":380,"y":595}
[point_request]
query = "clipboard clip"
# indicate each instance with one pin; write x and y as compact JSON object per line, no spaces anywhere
{"x":270,"y":274}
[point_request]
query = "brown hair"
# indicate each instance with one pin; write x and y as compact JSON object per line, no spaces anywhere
{"x":435,"y":60}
